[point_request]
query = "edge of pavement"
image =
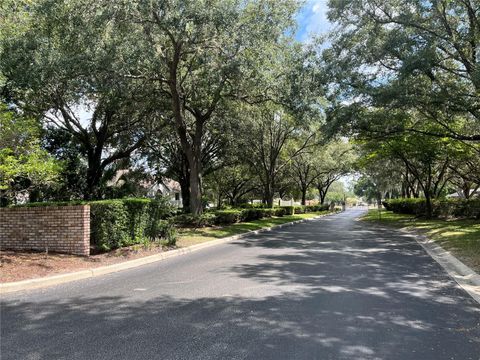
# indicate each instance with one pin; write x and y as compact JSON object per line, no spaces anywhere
{"x":463,"y":275}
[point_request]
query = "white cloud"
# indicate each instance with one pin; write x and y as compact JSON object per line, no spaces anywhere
{"x":313,"y":20}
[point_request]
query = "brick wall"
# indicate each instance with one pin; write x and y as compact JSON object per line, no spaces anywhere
{"x":64,"y":229}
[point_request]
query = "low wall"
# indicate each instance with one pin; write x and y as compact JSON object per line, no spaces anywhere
{"x":64,"y":229}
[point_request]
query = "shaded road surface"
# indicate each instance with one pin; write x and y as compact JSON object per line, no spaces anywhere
{"x":333,"y":288}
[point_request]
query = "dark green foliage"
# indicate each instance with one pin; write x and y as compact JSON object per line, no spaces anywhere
{"x":166,"y":231}
{"x":459,"y":208}
{"x":159,"y":208}
{"x":279,"y":211}
{"x":137,"y":219}
{"x":108,"y":225}
{"x":251,"y":214}
{"x":194,"y":221}
{"x":124,"y":222}
{"x":268,"y":213}
{"x":225,"y":217}
{"x":406,"y":206}
{"x":316,"y":208}
{"x":289,"y":210}
{"x":299,"y":209}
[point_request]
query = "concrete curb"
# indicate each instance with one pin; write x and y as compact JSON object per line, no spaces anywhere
{"x":130,"y":264}
{"x":463,"y":275}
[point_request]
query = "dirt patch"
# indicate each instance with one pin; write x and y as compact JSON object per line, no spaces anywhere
{"x":16,"y":266}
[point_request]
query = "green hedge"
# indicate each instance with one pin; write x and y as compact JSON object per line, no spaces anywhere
{"x":290,"y":210}
{"x":225,"y":217}
{"x":444,"y":208}
{"x":108,"y":225}
{"x":196,"y":221}
{"x":123,"y":222}
{"x":406,"y":206}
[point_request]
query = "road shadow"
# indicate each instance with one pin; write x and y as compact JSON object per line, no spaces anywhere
{"x":350,"y":293}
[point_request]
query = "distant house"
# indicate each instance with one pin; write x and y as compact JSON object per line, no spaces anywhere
{"x":150,"y":187}
{"x":172,"y":190}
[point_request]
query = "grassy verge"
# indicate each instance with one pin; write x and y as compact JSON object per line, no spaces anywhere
{"x":461,"y":237}
{"x":196,"y":236}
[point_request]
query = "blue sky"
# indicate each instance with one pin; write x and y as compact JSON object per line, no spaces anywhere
{"x":312,"y":19}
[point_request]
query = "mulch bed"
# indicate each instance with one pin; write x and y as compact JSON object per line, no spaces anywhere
{"x":16,"y":265}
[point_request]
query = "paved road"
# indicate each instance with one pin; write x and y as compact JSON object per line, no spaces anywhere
{"x":333,"y":288}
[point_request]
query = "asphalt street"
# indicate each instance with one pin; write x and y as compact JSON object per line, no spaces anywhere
{"x":332,"y":288}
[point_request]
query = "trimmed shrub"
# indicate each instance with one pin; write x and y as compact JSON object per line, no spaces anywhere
{"x":267,"y":213}
{"x":226,"y":217}
{"x":108,"y":225}
{"x":444,"y":208}
{"x":316,"y":208}
{"x":289,"y":210}
{"x":137,"y":219}
{"x":279,"y":211}
{"x":299,"y":209}
{"x":194,"y":221}
{"x":251,"y":214}
{"x":406,"y":206}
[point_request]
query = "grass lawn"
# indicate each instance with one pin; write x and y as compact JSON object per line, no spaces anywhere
{"x":461,"y":237}
{"x":196,"y":236}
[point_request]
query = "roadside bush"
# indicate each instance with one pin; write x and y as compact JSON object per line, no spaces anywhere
{"x":137,"y":219}
{"x":316,"y":208}
{"x":226,"y":217}
{"x":194,"y":221}
{"x":279,"y":211}
{"x":299,"y":209}
{"x":251,"y":214}
{"x":166,"y":232}
{"x":443,"y":208}
{"x":267,"y":213}
{"x":108,"y":225}
{"x":289,"y":210}
{"x":406,"y":206}
{"x":158,"y":209}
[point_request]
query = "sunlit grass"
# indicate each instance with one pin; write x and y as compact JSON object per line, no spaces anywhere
{"x":462,"y":237}
{"x":196,"y":236}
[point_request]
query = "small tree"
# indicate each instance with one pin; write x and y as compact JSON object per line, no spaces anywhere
{"x":24,"y":165}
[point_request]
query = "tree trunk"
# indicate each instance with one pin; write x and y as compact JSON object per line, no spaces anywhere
{"x":270,"y":201}
{"x":268,"y":195}
{"x":428,"y":205}
{"x":322,"y":194}
{"x":322,"y":191}
{"x":185,"y":190}
{"x":196,"y":206}
{"x":304,"y":196}
{"x":191,"y":145}
{"x":94,"y":174}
